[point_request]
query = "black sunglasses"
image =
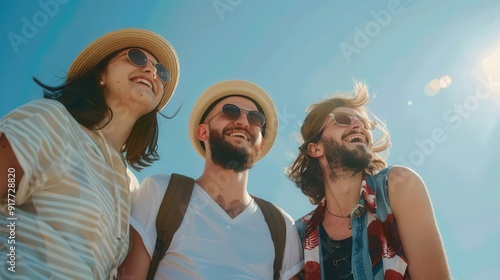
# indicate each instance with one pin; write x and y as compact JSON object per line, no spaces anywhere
{"x":233,"y":112}
{"x":346,"y":120}
{"x":139,"y":58}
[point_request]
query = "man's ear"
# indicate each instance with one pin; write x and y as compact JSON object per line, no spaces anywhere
{"x":202,"y":132}
{"x":315,"y":150}
{"x":262,"y":144}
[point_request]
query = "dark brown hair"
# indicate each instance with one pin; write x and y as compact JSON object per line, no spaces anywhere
{"x":84,"y":100}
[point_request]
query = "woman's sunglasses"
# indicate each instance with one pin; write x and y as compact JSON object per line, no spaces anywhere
{"x":233,"y":112}
{"x":139,"y":58}
{"x":346,"y":120}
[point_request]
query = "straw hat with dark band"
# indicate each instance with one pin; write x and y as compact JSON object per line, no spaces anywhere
{"x":231,"y":88}
{"x":129,"y":38}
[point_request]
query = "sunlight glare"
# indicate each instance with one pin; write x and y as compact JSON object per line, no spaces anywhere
{"x":490,"y":66}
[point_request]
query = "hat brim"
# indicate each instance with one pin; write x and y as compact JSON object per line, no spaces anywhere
{"x":121,"y":39}
{"x":228,"y":88}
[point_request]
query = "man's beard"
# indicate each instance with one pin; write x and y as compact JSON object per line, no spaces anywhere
{"x":340,"y":158}
{"x":229,"y":157}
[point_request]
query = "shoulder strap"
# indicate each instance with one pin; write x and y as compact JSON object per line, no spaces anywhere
{"x":277,"y":226}
{"x":170,"y":215}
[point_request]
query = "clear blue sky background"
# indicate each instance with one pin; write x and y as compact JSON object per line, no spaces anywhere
{"x":299,"y":52}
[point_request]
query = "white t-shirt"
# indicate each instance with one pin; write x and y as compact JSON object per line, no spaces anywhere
{"x":72,"y":204}
{"x":209,"y":244}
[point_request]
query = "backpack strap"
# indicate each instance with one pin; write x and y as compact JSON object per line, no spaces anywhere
{"x":170,"y":215}
{"x":277,"y":226}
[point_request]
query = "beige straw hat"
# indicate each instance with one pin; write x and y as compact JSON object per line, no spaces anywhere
{"x":121,"y":39}
{"x":230,"y":88}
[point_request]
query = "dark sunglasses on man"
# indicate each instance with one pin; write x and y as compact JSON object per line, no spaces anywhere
{"x":233,"y":112}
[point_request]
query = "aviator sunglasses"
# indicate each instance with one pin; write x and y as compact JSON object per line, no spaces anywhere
{"x":343,"y":119}
{"x":139,"y":58}
{"x":233,"y":112}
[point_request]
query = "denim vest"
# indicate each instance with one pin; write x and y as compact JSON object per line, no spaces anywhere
{"x":383,"y":230}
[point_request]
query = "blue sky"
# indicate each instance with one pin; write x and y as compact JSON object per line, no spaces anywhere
{"x":407,"y":52}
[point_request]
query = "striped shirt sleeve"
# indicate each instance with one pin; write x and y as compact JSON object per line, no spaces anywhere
{"x":37,"y":132}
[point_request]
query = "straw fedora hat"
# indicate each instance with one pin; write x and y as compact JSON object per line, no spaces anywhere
{"x":231,"y":88}
{"x":121,"y":39}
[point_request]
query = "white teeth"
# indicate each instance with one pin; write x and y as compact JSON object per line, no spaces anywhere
{"x":354,"y":137}
{"x":239,"y":134}
{"x":143,"y":81}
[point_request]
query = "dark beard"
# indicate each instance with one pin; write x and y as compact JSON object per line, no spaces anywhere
{"x":340,"y":158}
{"x":228,"y":156}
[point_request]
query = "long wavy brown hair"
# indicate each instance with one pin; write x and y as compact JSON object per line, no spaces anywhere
{"x":306,"y":172}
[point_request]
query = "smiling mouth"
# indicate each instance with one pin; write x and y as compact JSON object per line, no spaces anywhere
{"x":239,"y":135}
{"x":144,"y":82}
{"x":355,"y":139}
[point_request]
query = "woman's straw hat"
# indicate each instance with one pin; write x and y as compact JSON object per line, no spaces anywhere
{"x":121,"y":39}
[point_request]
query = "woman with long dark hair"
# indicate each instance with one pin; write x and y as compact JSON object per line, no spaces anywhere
{"x":65,"y":158}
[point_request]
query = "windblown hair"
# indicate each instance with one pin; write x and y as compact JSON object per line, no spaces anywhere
{"x":84,"y":100}
{"x":306,"y":171}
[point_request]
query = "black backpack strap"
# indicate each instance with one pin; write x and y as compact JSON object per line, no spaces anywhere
{"x":170,"y":215}
{"x":277,"y":226}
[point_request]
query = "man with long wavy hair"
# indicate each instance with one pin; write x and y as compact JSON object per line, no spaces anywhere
{"x":372,"y":221}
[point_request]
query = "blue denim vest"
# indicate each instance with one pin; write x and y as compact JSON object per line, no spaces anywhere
{"x":361,"y":259}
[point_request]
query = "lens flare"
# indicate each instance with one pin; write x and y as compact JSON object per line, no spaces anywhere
{"x":445,"y":81}
{"x":432,"y":88}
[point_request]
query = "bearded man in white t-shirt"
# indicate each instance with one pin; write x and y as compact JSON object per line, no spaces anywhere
{"x":223,"y":234}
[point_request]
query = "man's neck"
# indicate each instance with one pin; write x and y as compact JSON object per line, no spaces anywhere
{"x":226,"y":187}
{"x":343,"y":191}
